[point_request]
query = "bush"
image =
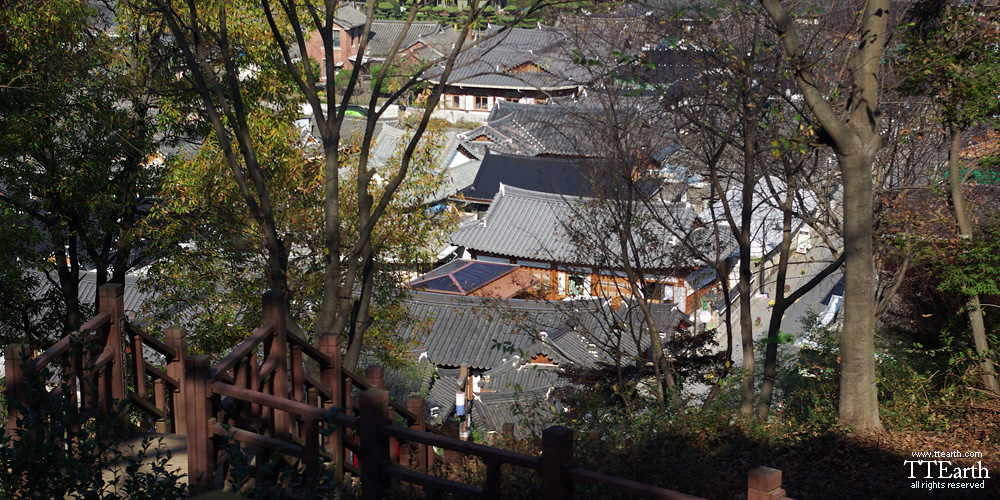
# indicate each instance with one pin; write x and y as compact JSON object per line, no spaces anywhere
{"x":58,"y":453}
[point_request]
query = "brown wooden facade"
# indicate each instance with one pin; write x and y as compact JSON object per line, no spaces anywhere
{"x":560,"y":281}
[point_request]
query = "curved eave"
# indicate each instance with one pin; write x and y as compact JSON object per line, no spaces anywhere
{"x":505,"y":87}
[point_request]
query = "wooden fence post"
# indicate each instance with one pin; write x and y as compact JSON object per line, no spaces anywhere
{"x":557,"y":457}
{"x":174,"y":337}
{"x":451,"y":457}
{"x":417,"y":406}
{"x":508,"y":432}
{"x":375,"y":376}
{"x":310,"y":435}
{"x":14,"y":386}
{"x":332,"y":376}
{"x":764,"y":483}
{"x":274,"y":314}
{"x":374,"y":443}
{"x":198,"y":392}
{"x":111,"y":298}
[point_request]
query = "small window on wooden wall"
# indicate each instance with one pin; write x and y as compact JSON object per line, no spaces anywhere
{"x":482,"y":102}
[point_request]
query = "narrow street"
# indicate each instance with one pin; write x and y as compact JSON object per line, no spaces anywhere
{"x":817,"y":299}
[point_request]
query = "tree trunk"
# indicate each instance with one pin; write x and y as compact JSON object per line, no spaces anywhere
{"x":858,"y":392}
{"x":855,"y":139}
{"x":746,"y":322}
{"x":781,"y":304}
{"x":972,"y":306}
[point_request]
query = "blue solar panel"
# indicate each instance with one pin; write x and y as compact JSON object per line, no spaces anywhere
{"x":442,"y":284}
{"x":468,"y":274}
{"x":478,"y":274}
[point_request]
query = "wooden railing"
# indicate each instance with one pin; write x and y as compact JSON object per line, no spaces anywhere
{"x":92,"y":362}
{"x":275,"y":393}
{"x":263,"y":396}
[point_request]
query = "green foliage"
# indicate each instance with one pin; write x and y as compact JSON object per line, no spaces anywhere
{"x":949,"y":54}
{"x":259,"y":478}
{"x":972,"y":267}
{"x":59,"y":453}
{"x":75,"y":160}
{"x":211,"y":262}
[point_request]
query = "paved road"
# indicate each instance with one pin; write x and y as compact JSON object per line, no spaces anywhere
{"x":817,"y":299}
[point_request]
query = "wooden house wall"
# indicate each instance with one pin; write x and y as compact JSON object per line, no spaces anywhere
{"x":553,"y":279}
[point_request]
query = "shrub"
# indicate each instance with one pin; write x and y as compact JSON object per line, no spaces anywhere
{"x":77,"y":456}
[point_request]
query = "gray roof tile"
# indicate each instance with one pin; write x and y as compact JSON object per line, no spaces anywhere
{"x":532,"y":225}
{"x":385,"y":32}
{"x":498,"y":62}
{"x":348,"y":17}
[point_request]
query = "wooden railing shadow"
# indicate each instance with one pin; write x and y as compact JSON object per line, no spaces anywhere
{"x":264,"y":397}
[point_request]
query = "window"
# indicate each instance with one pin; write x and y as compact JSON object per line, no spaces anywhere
{"x":513,"y":99}
{"x":652,"y":290}
{"x":575,"y":285}
{"x":482,"y":102}
{"x":456,"y":101}
{"x":336,"y":39}
{"x":539,"y":100}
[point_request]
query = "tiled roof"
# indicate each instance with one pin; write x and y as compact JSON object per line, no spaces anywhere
{"x":384,"y":34}
{"x":458,"y":330}
{"x":348,"y":17}
{"x":565,"y":127}
{"x":405,"y":381}
{"x":534,"y":129}
{"x":440,"y":43}
{"x":531,"y":225}
{"x":529,"y":411}
{"x":441,"y":398}
{"x":521,"y":59}
{"x":133,"y":297}
{"x":570,"y":177}
{"x":766,"y":217}
{"x":467,"y":331}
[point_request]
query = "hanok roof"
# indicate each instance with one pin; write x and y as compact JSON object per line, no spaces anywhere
{"x":483,"y":334}
{"x":475,"y":278}
{"x":563,"y":176}
{"x":458,"y":330}
{"x":439,"y":44}
{"x":385,"y":32}
{"x":534,"y":129}
{"x":348,"y":17}
{"x":518,"y":59}
{"x":520,"y":392}
{"x":456,"y":179}
{"x":531,"y":225}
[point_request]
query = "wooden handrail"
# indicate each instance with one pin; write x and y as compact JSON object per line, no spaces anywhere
{"x":61,"y":347}
{"x":167,"y":379}
{"x":479,"y":450}
{"x":252,"y":438}
{"x":152,"y":342}
{"x":309,"y":349}
{"x":362,"y":385}
{"x":103,"y":360}
{"x":434,"y":482}
{"x":242,"y":350}
{"x":275,"y":402}
{"x":323,"y":391}
{"x":144,"y":404}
